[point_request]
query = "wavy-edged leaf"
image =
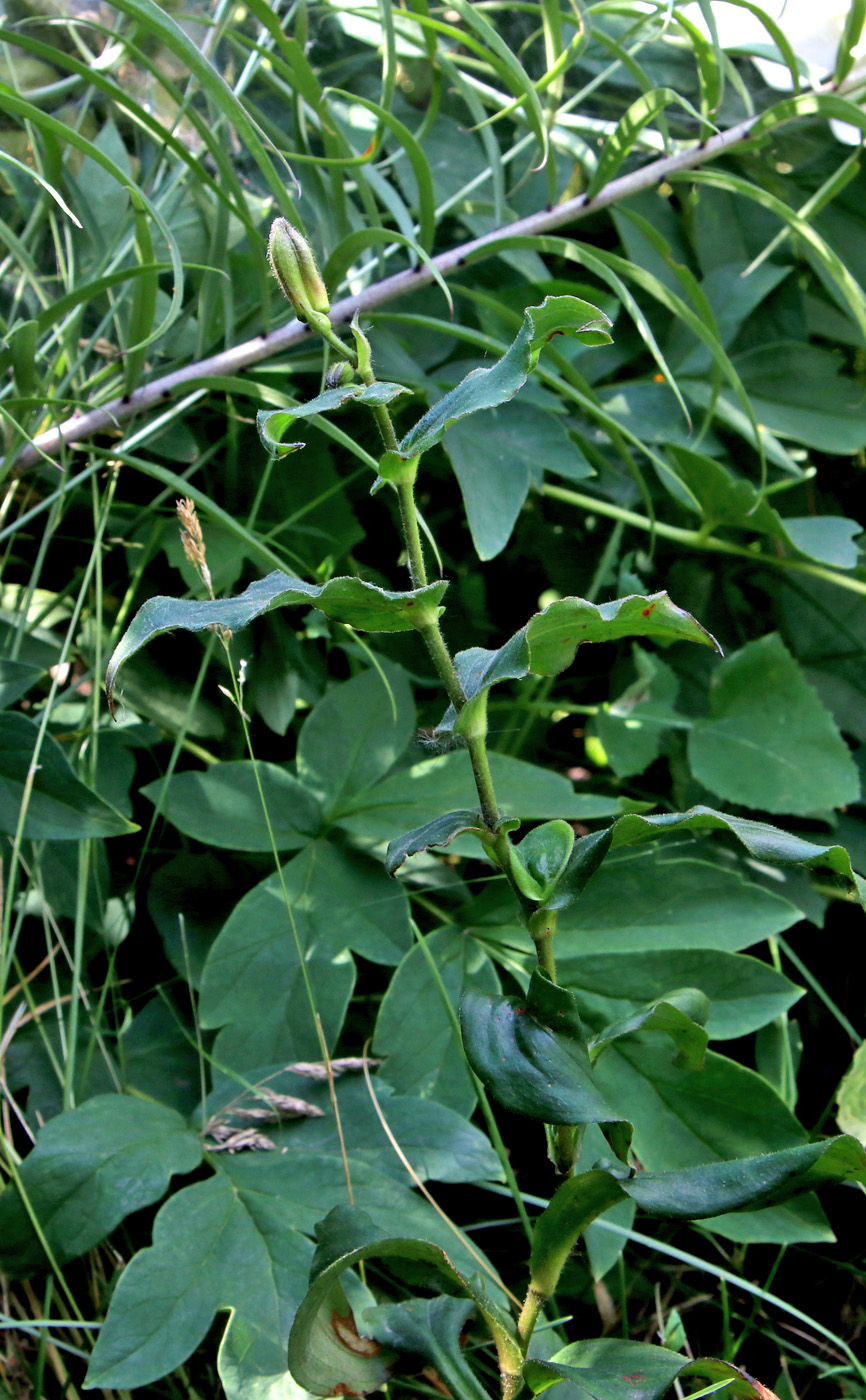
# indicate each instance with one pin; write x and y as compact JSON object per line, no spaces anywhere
{"x":549,"y":641}
{"x":272,"y":424}
{"x":554,"y":635}
{"x":440,"y":832}
{"x":91,"y":1167}
{"x":762,"y":841}
{"x":532,"y":1056}
{"x":601,"y":1369}
{"x":694,"y":1193}
{"x":362,"y":605}
{"x":486,"y":388}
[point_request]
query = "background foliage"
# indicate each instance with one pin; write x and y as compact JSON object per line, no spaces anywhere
{"x":151,"y":984}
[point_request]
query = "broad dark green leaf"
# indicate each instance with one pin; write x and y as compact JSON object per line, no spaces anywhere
{"x":91,"y":1167}
{"x":496,"y":460}
{"x":60,"y":807}
{"x":724,"y":499}
{"x":240,"y":1241}
{"x":252,"y":985}
{"x":532,"y":1056}
{"x":275,"y":424}
{"x":768,"y":742}
{"x":488,"y":388}
{"x":412,"y":797}
{"x":439,"y":1142}
{"x":744,"y":994}
{"x":652,"y":900}
{"x":431,"y":1065}
{"x":602,"y":1369}
{"x":223,"y":806}
{"x":16,"y":678}
{"x":362,"y":605}
{"x":355,"y":734}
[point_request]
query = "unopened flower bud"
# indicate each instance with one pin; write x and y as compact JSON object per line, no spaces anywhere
{"x":294,"y":267}
{"x":339,"y":376}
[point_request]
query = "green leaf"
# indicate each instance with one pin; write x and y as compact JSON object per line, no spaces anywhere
{"x":354,"y":735}
{"x":768,"y":741}
{"x":362,"y":605}
{"x":209,"y":1251}
{"x":744,"y":993}
{"x":653,"y":900}
{"x":762,"y":841}
{"x":690,"y":1120}
{"x":725,"y":499}
{"x":60,"y":807}
{"x":324,"y":1351}
{"x":429,"y":1327}
{"x":440,"y":832}
{"x":549,"y":641}
{"x":538,"y":1067}
{"x":554,"y":635}
{"x":274,"y":424}
{"x":16,"y":678}
{"x":439,"y":1142}
{"x":631,"y":727}
{"x":223,"y":806}
{"x":540,"y":859}
{"x":681,"y":1015}
{"x":600,"y":1369}
{"x":412,"y":797}
{"x":851,"y":1100}
{"x":253,"y":984}
{"x":488,"y":388}
{"x":431,"y":1065}
{"x":498,"y":457}
{"x":91,"y":1167}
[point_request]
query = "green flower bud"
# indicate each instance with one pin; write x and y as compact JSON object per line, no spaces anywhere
{"x":339,"y":376}
{"x":294,"y":267}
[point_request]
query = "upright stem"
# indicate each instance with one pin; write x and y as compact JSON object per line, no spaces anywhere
{"x":411,"y":534}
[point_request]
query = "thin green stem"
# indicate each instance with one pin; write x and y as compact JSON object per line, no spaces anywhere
{"x":697,"y":539}
{"x":445,"y":668}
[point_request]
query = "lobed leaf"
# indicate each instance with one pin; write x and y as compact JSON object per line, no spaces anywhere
{"x":91,"y":1167}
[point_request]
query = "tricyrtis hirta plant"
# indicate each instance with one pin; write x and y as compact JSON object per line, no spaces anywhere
{"x":541,"y":1053}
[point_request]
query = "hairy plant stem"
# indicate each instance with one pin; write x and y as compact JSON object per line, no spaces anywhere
{"x":412,"y":535}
